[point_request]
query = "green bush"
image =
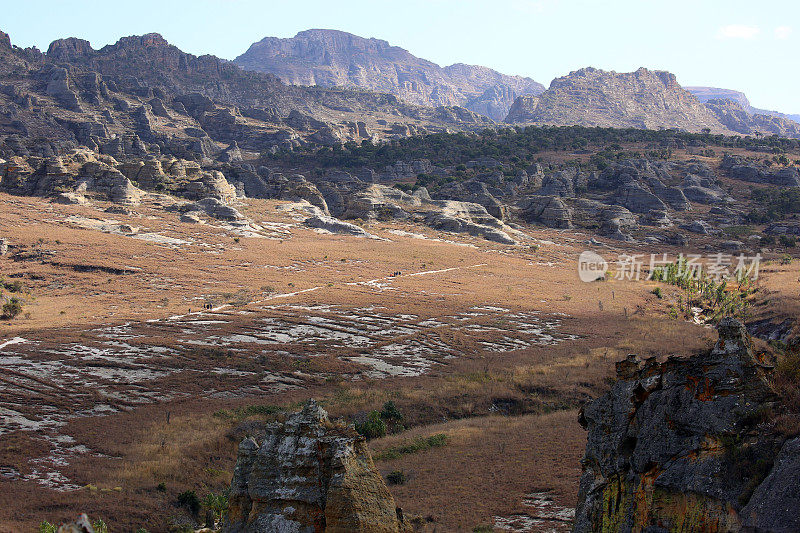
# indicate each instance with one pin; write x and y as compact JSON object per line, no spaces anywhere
{"x":189,"y":500}
{"x":216,"y":504}
{"x":47,"y":527}
{"x":373,"y":427}
{"x":657,"y":292}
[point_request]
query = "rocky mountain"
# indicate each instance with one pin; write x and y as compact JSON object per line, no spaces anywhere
{"x":593,"y":97}
{"x":675,"y":446}
{"x":704,"y":94}
{"x":330,"y":58}
{"x":142,"y":89}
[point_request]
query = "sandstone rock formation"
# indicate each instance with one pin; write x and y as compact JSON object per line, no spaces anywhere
{"x":334,"y":225}
{"x":309,"y":475}
{"x":592,"y":97}
{"x":331,"y":58}
{"x":673,"y":446}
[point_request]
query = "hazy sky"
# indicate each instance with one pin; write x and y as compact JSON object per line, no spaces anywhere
{"x":746,"y":45}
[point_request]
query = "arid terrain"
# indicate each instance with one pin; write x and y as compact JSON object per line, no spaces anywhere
{"x":488,"y":287}
{"x":140,"y":356}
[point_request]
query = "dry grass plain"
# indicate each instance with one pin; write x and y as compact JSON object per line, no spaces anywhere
{"x":120,"y":379}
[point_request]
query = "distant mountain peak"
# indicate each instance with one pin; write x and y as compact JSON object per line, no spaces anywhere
{"x":331,"y":58}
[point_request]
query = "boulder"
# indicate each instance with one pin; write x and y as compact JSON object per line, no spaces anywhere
{"x":700,"y":227}
{"x":380,"y":202}
{"x":453,"y":224}
{"x":309,"y":475}
{"x":81,"y":525}
{"x":215,"y":208}
{"x":70,"y":198}
{"x":209,"y":184}
{"x":548,"y":210}
{"x":638,"y":199}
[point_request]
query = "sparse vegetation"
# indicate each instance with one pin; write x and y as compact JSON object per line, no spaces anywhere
{"x":11,"y":309}
{"x":417,"y":445}
{"x":715,"y":297}
{"x":657,"y":292}
{"x":217,"y":504}
{"x":189,"y":500}
{"x":396,"y":477}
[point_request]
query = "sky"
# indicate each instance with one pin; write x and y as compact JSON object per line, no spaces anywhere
{"x":750,"y":46}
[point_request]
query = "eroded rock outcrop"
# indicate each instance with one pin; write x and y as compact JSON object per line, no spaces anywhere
{"x":673,"y":446}
{"x":309,"y":475}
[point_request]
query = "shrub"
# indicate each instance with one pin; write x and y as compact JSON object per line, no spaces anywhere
{"x":216,"y":504}
{"x":396,"y":477}
{"x":373,"y":427}
{"x":788,"y":241}
{"x":392,"y":416}
{"x":189,"y":500}
{"x":11,"y":308}
{"x":657,"y":292}
{"x":47,"y":527}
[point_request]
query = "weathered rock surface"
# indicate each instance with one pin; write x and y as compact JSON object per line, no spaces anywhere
{"x":334,"y":225}
{"x":548,"y":210}
{"x":737,"y":118}
{"x":667,"y":444}
{"x":757,"y":172}
{"x":592,"y":97}
{"x":215,"y":208}
{"x":309,"y":475}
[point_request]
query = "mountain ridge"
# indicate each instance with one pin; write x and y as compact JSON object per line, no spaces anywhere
{"x":332,"y":58}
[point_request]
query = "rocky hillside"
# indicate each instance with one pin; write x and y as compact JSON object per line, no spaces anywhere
{"x":330,"y":58}
{"x":704,"y":94}
{"x":142,"y":89}
{"x":736,"y":117}
{"x":309,"y":474}
{"x":592,"y":97}
{"x":676,"y":446}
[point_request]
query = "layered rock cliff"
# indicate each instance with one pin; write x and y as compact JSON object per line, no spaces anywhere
{"x":331,"y":58}
{"x":677,"y":446}
{"x":309,"y":475}
{"x":593,"y":97}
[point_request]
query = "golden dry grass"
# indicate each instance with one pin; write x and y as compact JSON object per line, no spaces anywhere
{"x":491,"y":461}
